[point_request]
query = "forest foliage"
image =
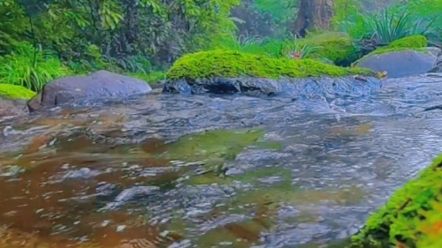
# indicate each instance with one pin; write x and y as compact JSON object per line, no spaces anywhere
{"x":45,"y":39}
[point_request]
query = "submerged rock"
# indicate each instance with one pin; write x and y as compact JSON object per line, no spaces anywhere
{"x":402,"y":58}
{"x":131,"y":194}
{"x":411,"y":218}
{"x":96,"y":86}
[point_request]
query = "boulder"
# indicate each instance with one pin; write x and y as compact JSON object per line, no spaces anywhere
{"x":401,"y":58}
{"x":93,"y":87}
{"x":228,"y":72}
{"x":287,"y":87}
{"x":400,"y":63}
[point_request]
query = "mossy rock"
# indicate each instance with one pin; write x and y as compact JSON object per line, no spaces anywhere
{"x":411,"y":218}
{"x":415,"y":42}
{"x":335,"y":46}
{"x":15,"y":91}
{"x":233,"y":64}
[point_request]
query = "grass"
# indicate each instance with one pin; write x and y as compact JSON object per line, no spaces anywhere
{"x":29,"y":68}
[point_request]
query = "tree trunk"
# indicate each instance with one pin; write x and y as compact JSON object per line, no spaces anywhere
{"x":313,"y":14}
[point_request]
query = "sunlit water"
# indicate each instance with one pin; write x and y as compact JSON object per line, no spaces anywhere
{"x":339,"y":158}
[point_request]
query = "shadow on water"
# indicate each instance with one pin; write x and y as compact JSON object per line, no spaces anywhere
{"x":199,"y":171}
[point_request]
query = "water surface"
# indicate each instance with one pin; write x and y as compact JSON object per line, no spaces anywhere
{"x":154,"y":171}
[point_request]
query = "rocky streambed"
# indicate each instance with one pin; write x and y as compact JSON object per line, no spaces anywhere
{"x":168,"y":170}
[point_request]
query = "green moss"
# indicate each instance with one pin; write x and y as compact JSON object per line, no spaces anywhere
{"x":15,"y":91}
{"x":231,"y":64}
{"x":415,"y":42}
{"x":337,"y":47}
{"x":411,"y":218}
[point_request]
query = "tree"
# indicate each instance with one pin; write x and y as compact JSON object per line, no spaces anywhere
{"x":313,"y":14}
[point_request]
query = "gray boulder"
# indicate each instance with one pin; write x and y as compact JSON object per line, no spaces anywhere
{"x":264,"y":87}
{"x":401,"y":63}
{"x":93,"y":87}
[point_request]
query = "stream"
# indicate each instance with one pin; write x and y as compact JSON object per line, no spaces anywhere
{"x":169,"y":170}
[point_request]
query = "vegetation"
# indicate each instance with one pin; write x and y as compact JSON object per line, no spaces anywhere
{"x":14,"y":91}
{"x":416,"y":42}
{"x":230,"y":64}
{"x":43,"y":40}
{"x":411,"y":218}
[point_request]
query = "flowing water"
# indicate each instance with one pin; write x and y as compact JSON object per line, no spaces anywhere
{"x":213,"y":171}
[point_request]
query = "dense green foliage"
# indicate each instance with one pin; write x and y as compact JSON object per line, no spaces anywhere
{"x":126,"y":36}
{"x":230,"y":64}
{"x":398,"y":21}
{"x":43,"y":40}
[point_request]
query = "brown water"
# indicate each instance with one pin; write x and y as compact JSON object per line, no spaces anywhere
{"x":287,"y":174}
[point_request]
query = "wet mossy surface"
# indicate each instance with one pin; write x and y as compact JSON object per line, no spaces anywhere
{"x":15,"y":91}
{"x":415,"y":42}
{"x":412,"y":217}
{"x":233,"y":64}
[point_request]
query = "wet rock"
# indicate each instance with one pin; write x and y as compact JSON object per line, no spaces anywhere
{"x":400,"y":63}
{"x":94,"y":87}
{"x":82,"y":173}
{"x":292,"y":87}
{"x":131,"y":194}
{"x":12,"y":107}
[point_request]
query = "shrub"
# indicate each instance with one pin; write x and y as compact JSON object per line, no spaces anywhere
{"x":388,"y":25}
{"x":29,"y":68}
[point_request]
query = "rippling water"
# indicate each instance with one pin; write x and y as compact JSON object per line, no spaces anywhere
{"x":86,"y":175}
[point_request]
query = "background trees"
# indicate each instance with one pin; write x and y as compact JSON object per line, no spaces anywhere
{"x":43,"y":39}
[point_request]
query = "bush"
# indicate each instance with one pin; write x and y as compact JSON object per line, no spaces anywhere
{"x":29,"y":68}
{"x":334,"y":46}
{"x":388,"y":25}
